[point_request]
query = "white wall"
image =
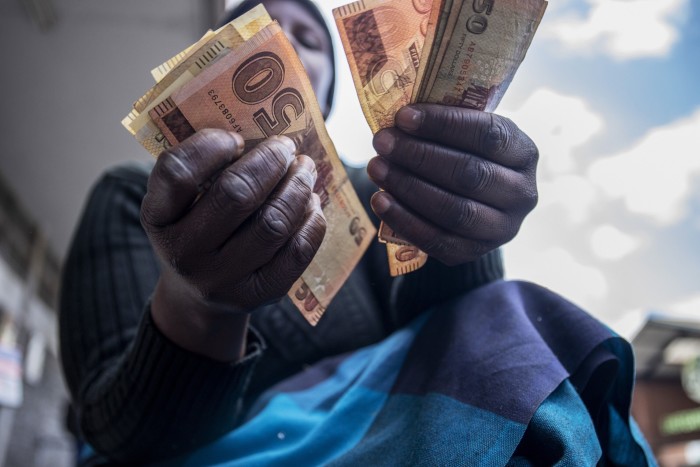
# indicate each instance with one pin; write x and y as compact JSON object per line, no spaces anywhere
{"x":65,"y":91}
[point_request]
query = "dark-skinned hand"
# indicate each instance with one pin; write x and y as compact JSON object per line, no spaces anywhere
{"x":227,"y":249}
{"x":458,"y":182}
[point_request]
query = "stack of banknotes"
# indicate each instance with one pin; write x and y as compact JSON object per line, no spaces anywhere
{"x":454,"y":52}
{"x":247,"y":78}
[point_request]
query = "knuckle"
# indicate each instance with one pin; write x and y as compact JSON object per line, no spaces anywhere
{"x":301,"y":185}
{"x":484,"y":177}
{"x":530,"y":199}
{"x":304,"y":247}
{"x":453,"y":121}
{"x":171,"y":168}
{"x":467,"y":215}
{"x":415,"y":154}
{"x":317,"y":226}
{"x":275,"y":154}
{"x":148,"y":216}
{"x":461,"y":214}
{"x":274,"y":224}
{"x":464,"y":173}
{"x":505,"y":234}
{"x":512,"y":231}
{"x":532,"y":152}
{"x":237,"y":190}
{"x":475,"y":175}
{"x":525,"y":199}
{"x":498,"y":136}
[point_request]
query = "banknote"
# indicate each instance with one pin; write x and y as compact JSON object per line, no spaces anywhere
{"x":383,"y":41}
{"x":261,"y":90}
{"x":440,"y":17}
{"x":166,"y":67}
{"x":208,"y":49}
{"x":186,"y":66}
{"x":468,"y":54}
{"x":473,"y":67}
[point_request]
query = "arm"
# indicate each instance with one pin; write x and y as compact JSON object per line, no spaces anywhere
{"x":156,"y":389}
{"x":128,"y":381}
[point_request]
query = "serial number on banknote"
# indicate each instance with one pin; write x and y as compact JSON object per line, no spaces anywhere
{"x":224,"y":110}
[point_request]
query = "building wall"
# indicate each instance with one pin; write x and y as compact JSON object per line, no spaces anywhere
{"x":66,"y":89}
{"x":71,"y":70}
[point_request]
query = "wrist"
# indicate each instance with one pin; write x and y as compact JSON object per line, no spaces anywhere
{"x":190,"y":322}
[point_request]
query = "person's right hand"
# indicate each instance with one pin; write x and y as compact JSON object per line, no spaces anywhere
{"x":230,"y":248}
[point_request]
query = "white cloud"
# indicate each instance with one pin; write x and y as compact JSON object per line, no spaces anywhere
{"x":575,"y":195}
{"x":610,"y":243}
{"x":630,"y":322}
{"x":654,"y":177}
{"x":624,"y":29}
{"x":559,"y":270}
{"x":558,"y":124}
{"x":687,"y":307}
{"x":347,"y":125}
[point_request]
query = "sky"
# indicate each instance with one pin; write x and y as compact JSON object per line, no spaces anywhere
{"x":609,"y":91}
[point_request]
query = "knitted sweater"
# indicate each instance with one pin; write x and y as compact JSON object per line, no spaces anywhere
{"x":139,"y":397}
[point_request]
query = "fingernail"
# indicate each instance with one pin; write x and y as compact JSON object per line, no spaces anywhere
{"x":384,"y":142}
{"x":378,"y":169}
{"x":316,"y":200}
{"x":409,"y":118}
{"x":380,"y":203}
{"x":237,"y":137}
{"x":240,"y":142}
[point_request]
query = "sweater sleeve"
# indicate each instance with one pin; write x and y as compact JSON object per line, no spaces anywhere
{"x":138,"y":396}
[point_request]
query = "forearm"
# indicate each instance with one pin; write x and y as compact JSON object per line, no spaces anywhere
{"x":124,"y":375}
{"x":160,"y":400}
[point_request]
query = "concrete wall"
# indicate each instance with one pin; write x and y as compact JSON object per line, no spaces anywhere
{"x":65,"y":91}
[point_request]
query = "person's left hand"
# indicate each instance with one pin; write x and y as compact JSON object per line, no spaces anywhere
{"x":458,"y":182}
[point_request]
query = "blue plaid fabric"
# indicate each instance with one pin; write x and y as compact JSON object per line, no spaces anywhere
{"x":509,"y":374}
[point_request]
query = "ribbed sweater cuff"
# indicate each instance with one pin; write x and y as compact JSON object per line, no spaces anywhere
{"x":161,"y":392}
{"x":436,"y":283}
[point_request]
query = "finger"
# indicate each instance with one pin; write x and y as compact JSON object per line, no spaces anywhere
{"x":274,"y":279}
{"x":277,"y":220}
{"x":453,"y":170}
{"x":461,"y":216}
{"x":488,"y":135}
{"x":181,"y":171}
{"x":436,"y":242}
{"x":237,"y":193}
